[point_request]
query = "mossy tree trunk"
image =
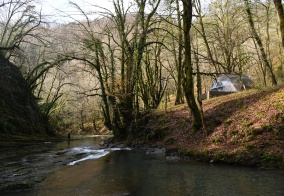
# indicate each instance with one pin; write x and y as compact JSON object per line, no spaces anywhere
{"x":188,"y":85}
{"x":280,"y":11}
{"x":179,"y":95}
{"x":131,"y":56}
{"x":259,"y":43}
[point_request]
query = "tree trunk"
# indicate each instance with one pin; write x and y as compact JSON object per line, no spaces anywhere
{"x":179,"y":95}
{"x":280,"y":11}
{"x":259,"y":43}
{"x":199,"y":81}
{"x":106,"y":108}
{"x":203,"y":35}
{"x":188,"y":78}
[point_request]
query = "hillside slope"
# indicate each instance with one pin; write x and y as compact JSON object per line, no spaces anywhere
{"x":244,"y":128}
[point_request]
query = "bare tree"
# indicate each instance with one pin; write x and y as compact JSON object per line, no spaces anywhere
{"x":19,"y":20}
{"x":202,"y":32}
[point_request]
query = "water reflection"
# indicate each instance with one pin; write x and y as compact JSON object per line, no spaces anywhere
{"x":134,"y":173}
{"x":131,"y":173}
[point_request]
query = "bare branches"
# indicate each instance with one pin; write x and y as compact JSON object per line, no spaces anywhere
{"x":18,"y":21}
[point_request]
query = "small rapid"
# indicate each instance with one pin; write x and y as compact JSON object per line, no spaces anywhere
{"x":91,"y":154}
{"x":27,"y":165}
{"x":82,"y":167}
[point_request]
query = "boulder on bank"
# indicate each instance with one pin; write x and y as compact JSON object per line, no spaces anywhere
{"x":19,"y":111}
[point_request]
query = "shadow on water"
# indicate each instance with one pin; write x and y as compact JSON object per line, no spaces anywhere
{"x":135,"y":173}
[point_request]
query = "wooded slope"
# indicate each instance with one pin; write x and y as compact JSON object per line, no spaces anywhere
{"x":245,"y":128}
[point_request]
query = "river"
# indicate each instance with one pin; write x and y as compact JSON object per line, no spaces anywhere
{"x":82,"y":167}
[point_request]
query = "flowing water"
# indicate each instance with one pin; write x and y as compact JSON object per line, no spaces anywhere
{"x":81,"y":167}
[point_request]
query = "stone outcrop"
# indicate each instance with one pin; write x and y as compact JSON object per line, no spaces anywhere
{"x":19,"y":112}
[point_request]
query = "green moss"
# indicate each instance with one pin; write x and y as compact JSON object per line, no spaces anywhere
{"x":219,"y":155}
{"x":254,"y":132}
{"x":162,"y":120}
{"x":170,"y":141}
{"x":267,"y":128}
{"x":251,"y":157}
{"x":279,"y":131}
{"x":228,"y":122}
{"x":239,"y":103}
{"x":280,"y":117}
{"x":248,"y":146}
{"x":240,"y":156}
{"x":279,"y":105}
{"x":281,"y":95}
{"x":234,"y":132}
{"x":246,"y":123}
{"x":158,"y":134}
{"x":272,"y":160}
{"x":183,"y":122}
{"x":217,"y":140}
{"x":260,"y":113}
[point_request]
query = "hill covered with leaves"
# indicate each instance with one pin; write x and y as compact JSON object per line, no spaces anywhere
{"x":243,"y":128}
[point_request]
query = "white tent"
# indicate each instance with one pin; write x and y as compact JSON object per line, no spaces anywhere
{"x":231,"y":83}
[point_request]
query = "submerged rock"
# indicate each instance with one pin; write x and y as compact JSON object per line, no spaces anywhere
{"x":156,"y":151}
{"x":61,"y":152}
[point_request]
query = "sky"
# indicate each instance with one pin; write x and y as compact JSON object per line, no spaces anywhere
{"x":51,"y":5}
{"x":58,"y":8}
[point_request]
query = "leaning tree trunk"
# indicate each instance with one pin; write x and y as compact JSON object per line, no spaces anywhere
{"x":280,"y":11}
{"x":204,"y":35}
{"x":188,"y":78}
{"x":259,"y":43}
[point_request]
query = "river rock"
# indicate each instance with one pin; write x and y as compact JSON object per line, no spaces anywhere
{"x":156,"y":151}
{"x":173,"y":158}
{"x":104,"y":143}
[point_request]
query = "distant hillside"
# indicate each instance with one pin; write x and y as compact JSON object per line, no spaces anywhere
{"x":244,"y":128}
{"x":19,"y":112}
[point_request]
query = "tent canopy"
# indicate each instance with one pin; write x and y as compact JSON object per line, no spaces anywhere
{"x":231,"y":83}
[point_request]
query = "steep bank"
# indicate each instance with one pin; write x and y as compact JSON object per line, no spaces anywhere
{"x":19,"y":113}
{"x":244,"y":128}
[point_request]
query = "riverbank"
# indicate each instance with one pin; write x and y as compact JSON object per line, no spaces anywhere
{"x":244,"y":128}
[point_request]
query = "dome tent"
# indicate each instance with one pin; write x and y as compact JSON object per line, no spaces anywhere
{"x":231,"y":83}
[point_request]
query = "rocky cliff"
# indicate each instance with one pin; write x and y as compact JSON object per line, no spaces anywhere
{"x":19,"y":112}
